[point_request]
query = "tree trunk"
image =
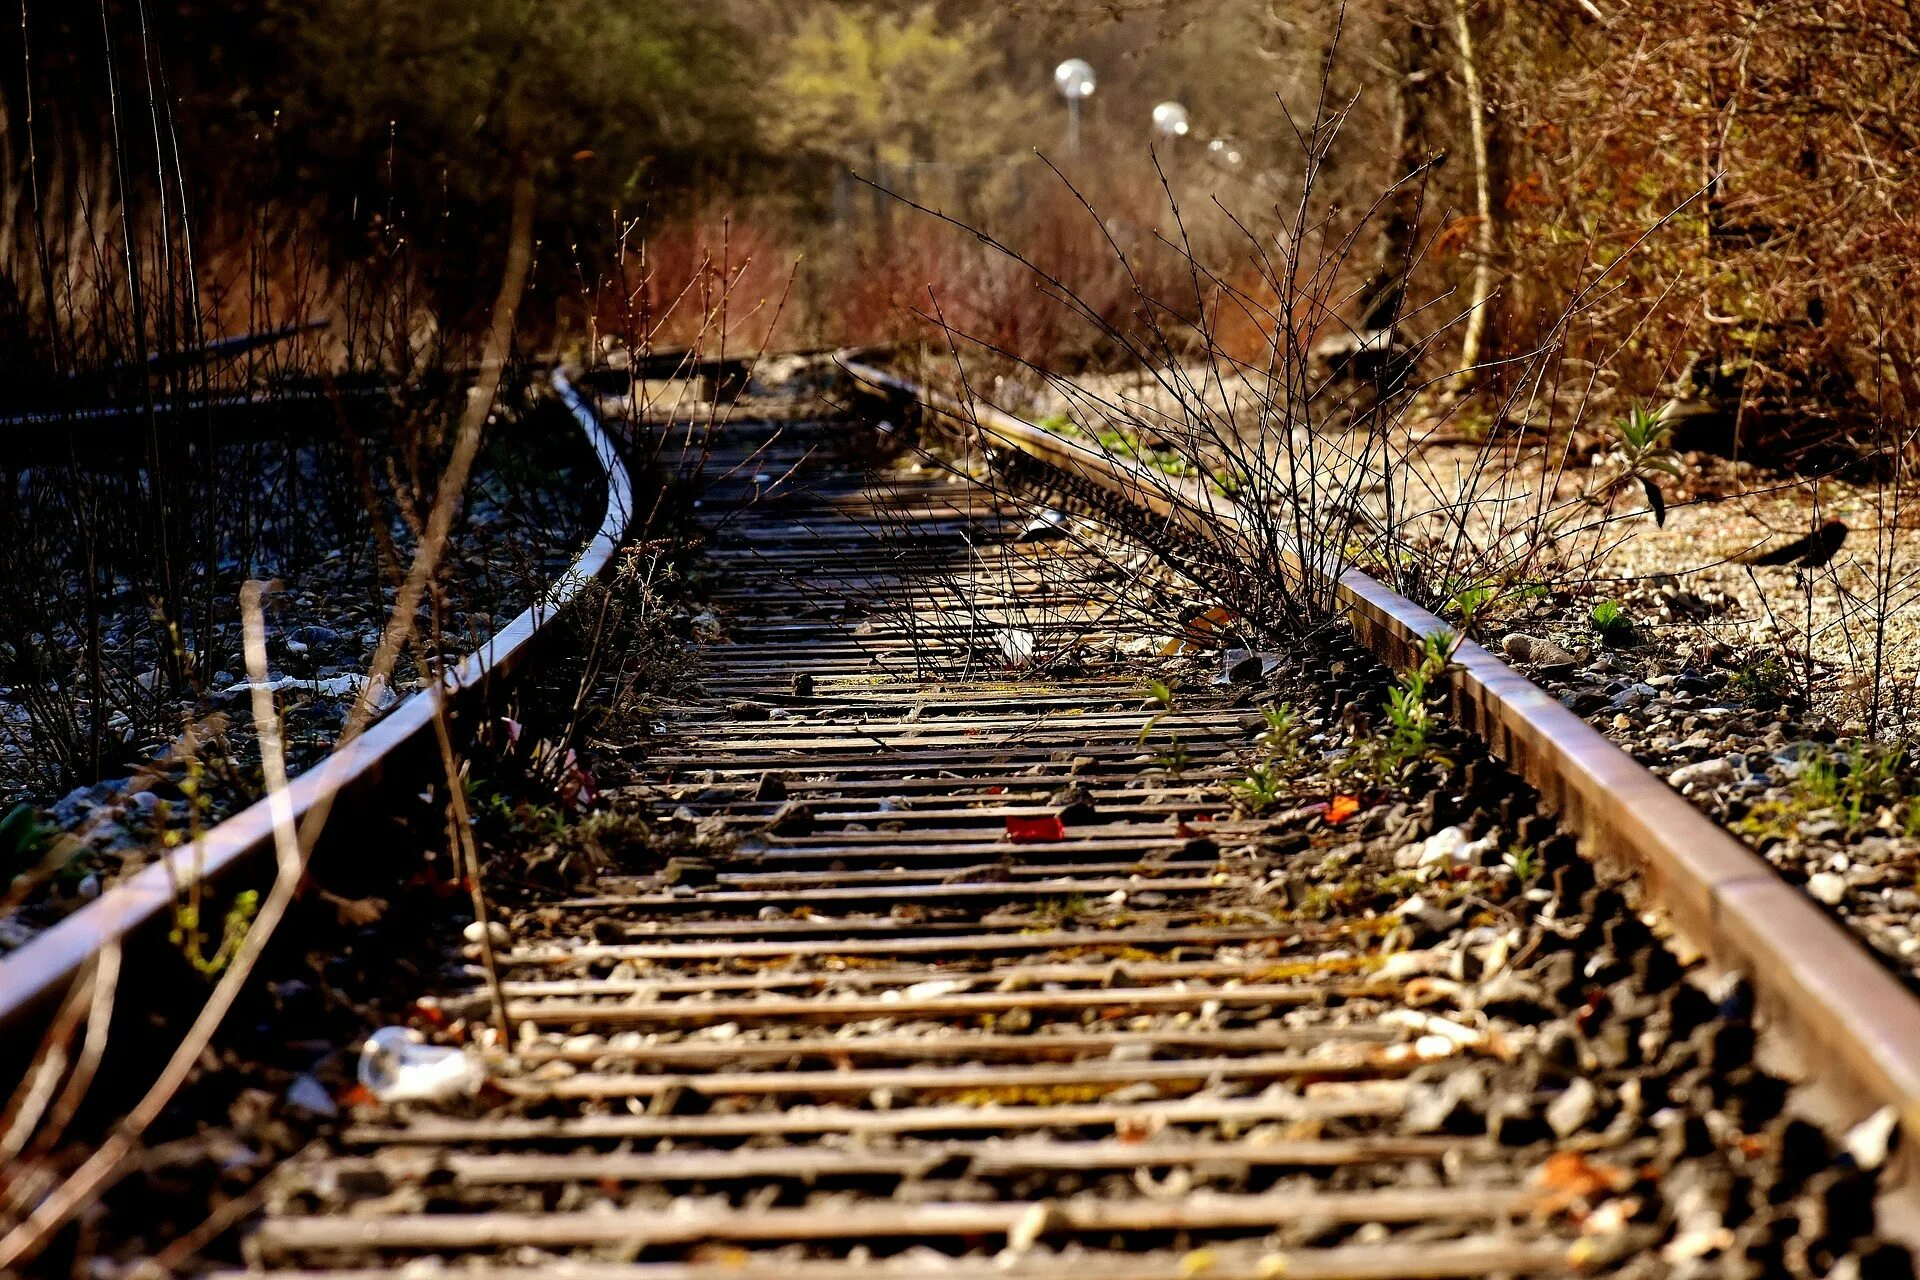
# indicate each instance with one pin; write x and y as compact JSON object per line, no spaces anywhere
{"x":1473,"y":344}
{"x":1413,"y":57}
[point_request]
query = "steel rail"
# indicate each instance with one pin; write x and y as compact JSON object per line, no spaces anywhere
{"x":33,"y":975}
{"x":1847,"y":1022}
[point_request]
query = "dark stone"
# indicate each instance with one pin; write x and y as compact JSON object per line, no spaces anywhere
{"x":1724,"y":1046}
{"x":1559,"y":1051}
{"x":1074,"y":801}
{"x":313,"y":637}
{"x":1754,"y":1099}
{"x":1516,"y":1000}
{"x":361,"y":1182}
{"x":693,"y":872}
{"x":1837,"y":1206}
{"x":1614,"y":1047}
{"x":792,"y":819}
{"x":1736,"y":998}
{"x":1687,"y":1138}
{"x":1688,"y":1008}
{"x":1885,"y":1262}
{"x":1243,"y":667}
{"x":1559,"y":978}
{"x":1534,"y":829}
{"x":773,"y":787}
{"x":1626,"y":936}
{"x":1511,"y":1122}
{"x":1799,"y":1150}
{"x":1571,"y":882}
{"x":1656,"y":970}
{"x":1584,"y":702}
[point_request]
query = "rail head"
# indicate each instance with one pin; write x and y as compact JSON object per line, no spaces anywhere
{"x":1848,"y":1019}
{"x":33,"y":975}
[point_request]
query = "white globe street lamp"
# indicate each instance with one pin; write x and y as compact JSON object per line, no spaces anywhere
{"x":1075,"y":80}
{"x":1170,"y":120}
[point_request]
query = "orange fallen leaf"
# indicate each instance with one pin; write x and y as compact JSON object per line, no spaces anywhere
{"x":1569,"y":1177}
{"x":1212,"y":620}
{"x":1342,"y":808}
{"x":1200,"y":631}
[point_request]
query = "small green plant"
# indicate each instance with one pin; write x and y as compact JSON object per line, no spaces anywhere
{"x":1119,"y":442}
{"x":1410,"y":715}
{"x":1316,"y":904}
{"x":1524,"y":861}
{"x":1060,"y":910}
{"x":1264,"y":787}
{"x":1160,"y":696}
{"x":1279,"y":741}
{"x":1176,"y":757}
{"x":1764,"y":679}
{"x":1611,"y":623}
{"x":1854,"y":782}
{"x":1854,"y":785}
{"x":187,"y":934}
{"x":1644,"y":441}
{"x":24,"y":840}
{"x":507,"y":815}
{"x":1469,"y":604}
{"x":1229,"y":481}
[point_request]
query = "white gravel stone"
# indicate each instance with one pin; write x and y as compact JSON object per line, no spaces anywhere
{"x":1827,"y":887}
{"x":1869,"y":1141}
{"x":492,"y":930}
{"x":1444,"y":843}
{"x":307,"y":1094}
{"x":1569,"y":1113}
{"x":1708,"y":773}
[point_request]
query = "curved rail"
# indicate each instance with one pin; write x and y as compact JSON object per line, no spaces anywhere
{"x":35,"y":973}
{"x":1854,"y":1027}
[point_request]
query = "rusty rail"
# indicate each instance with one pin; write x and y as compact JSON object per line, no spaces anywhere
{"x":33,"y":975}
{"x":1852,"y":1027}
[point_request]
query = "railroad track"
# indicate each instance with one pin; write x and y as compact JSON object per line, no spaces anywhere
{"x":969,"y":964}
{"x":978,"y":970}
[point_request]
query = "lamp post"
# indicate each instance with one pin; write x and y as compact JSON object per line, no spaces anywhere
{"x":1074,"y":79}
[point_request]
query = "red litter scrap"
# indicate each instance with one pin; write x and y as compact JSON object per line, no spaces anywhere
{"x":1037,"y":829}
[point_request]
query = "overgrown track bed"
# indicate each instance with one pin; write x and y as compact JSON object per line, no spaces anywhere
{"x":239,"y":850}
{"x":969,"y":966}
{"x":1848,"y":1023}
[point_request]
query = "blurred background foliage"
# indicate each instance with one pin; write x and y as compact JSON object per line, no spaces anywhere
{"x":293,"y":145}
{"x":859,"y":83}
